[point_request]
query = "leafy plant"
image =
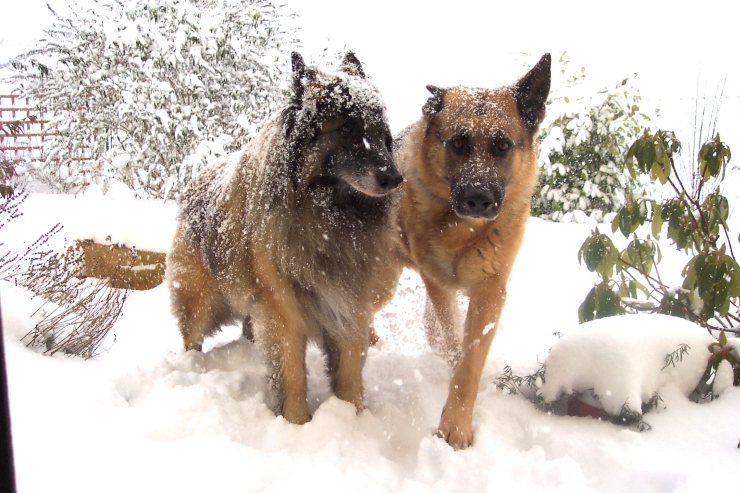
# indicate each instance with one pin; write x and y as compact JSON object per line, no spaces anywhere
{"x":695,"y":221}
{"x":527,"y":386}
{"x":77,"y":313}
{"x":582,"y":152}
{"x":711,"y":287}
{"x":721,"y":351}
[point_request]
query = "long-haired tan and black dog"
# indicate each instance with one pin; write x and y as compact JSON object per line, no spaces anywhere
{"x":288,"y":235}
{"x":471,"y":166}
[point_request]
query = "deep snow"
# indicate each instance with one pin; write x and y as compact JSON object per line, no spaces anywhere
{"x":146,"y":416}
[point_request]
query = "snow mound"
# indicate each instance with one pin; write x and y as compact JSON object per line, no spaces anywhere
{"x":146,"y":225}
{"x":622,"y":360}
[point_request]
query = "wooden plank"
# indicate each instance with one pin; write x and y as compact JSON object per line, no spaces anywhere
{"x":124,"y":267}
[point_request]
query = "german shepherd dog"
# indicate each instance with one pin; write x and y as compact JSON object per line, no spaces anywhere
{"x":287,"y":236}
{"x":470,"y":165}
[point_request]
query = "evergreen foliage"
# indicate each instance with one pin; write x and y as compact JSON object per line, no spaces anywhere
{"x":145,"y":91}
{"x":582,"y":151}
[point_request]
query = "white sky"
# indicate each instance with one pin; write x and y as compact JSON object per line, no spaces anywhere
{"x":406,"y":45}
{"x":677,"y":49}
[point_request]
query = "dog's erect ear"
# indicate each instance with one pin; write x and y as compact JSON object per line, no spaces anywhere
{"x":299,"y":66}
{"x":531,"y":93}
{"x":435,"y":103}
{"x":299,"y":74}
{"x":351,"y":65}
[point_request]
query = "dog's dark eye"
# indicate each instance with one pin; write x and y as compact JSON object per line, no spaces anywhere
{"x":501,"y":147}
{"x":458,"y":143}
{"x":346,"y":128}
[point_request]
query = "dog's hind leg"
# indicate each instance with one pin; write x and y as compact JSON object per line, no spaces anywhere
{"x":388,"y":275}
{"x":345,"y":359}
{"x":247,"y":329}
{"x":440,"y":321}
{"x":193,"y":293}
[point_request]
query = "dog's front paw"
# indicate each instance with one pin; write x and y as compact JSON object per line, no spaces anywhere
{"x":456,"y":428}
{"x":296,"y":413}
{"x":357,"y":402}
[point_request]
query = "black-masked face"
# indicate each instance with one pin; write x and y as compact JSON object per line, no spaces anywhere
{"x":480,"y":168}
{"x":359,"y":152}
{"x":351,"y":141}
{"x":482,"y":141}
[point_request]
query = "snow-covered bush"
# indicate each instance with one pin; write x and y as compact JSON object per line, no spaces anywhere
{"x":623,"y":363}
{"x":135,"y":87}
{"x":77,"y":314}
{"x":582,"y":171}
{"x":619,"y":368}
{"x":694,"y":220}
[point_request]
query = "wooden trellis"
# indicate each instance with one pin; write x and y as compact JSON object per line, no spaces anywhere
{"x":27,"y":144}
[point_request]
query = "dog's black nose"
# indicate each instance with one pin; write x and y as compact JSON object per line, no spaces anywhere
{"x":388,"y":178}
{"x":479,"y":202}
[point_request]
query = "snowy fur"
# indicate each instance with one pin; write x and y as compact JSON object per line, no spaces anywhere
{"x":282,"y":234}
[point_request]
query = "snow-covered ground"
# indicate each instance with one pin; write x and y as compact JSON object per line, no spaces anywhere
{"x":145,"y":416}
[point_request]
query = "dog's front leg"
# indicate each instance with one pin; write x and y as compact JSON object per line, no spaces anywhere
{"x":284,"y":344}
{"x":484,"y":312}
{"x":346,"y":356}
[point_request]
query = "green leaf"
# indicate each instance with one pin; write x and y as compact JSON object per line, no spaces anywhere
{"x":657,"y":221}
{"x":629,"y":160}
{"x":607,"y":304}
{"x":625,"y":222}
{"x":713,"y":158}
{"x":722,"y":338}
{"x":648,"y":155}
{"x":734,"y":273}
{"x":639,"y":286}
{"x":724,"y":307}
{"x":588,"y":307}
{"x":706,"y":280}
{"x":594,"y":253}
{"x":615,"y":222}
{"x":624,"y":291}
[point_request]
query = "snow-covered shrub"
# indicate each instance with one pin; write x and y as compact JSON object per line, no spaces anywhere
{"x":582,"y":171}
{"x":694,"y":220}
{"x":77,"y":314}
{"x":135,"y":87}
{"x":619,"y":368}
{"x":623,"y":363}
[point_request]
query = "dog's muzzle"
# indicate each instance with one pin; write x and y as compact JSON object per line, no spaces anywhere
{"x":388,"y":179}
{"x":478,"y":202}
